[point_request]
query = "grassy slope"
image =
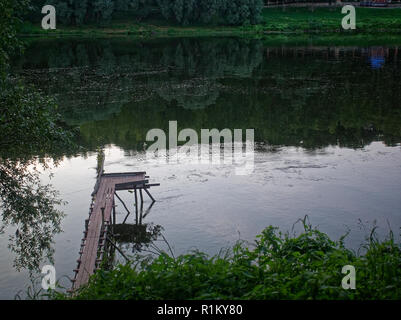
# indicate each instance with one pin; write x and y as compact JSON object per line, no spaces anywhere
{"x":329,"y":19}
{"x":275,"y":20}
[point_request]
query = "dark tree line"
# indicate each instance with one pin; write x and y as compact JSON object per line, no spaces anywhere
{"x":183,"y":12}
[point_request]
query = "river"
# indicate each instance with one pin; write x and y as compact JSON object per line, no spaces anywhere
{"x":327,"y":128}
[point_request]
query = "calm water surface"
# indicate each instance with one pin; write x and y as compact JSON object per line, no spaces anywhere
{"x":327,"y":126}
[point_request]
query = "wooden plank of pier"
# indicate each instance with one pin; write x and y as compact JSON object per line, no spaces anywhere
{"x":103,"y":199}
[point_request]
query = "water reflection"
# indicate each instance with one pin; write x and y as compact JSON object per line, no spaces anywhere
{"x":30,"y":215}
{"x":377,"y":57}
{"x":300,"y":96}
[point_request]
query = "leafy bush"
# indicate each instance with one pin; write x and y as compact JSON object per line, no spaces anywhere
{"x":279,"y":266}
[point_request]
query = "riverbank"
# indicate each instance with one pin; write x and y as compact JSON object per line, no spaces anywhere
{"x":286,"y":20}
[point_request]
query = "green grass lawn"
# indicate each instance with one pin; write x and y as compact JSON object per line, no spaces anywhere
{"x":275,"y":20}
{"x":329,"y":19}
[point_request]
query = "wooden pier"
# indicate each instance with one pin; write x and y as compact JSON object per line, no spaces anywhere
{"x":102,"y":216}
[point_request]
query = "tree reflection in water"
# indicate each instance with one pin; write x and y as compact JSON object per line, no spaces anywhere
{"x":309,"y":96}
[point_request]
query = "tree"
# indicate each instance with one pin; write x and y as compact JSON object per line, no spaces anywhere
{"x":30,"y":134}
{"x":183,"y":12}
{"x":238,"y":12}
{"x":78,"y":12}
{"x":102,"y":10}
{"x":10,"y":18}
{"x":234,"y":12}
{"x":208,"y":10}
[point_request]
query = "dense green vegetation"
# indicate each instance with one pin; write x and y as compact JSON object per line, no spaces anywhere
{"x":278,"y":266}
{"x":270,"y":20}
{"x":9,"y":20}
{"x":182,"y":12}
{"x":30,"y":133}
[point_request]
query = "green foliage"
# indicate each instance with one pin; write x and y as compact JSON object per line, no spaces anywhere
{"x":278,"y":266}
{"x":239,"y":12}
{"x":292,"y":20}
{"x":32,"y":208}
{"x":78,"y":12}
{"x":182,"y":12}
{"x":103,"y":9}
{"x":235,"y":12}
{"x":30,"y":132}
{"x":29,"y":123}
{"x":370,"y":20}
{"x":136,"y":8}
{"x":208,"y":10}
{"x":10,"y":13}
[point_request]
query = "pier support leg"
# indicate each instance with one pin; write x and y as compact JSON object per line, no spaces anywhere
{"x":118,"y":249}
{"x":141,"y":210}
{"x":141,"y":195}
{"x":115,"y":193}
{"x":114,"y":215}
{"x":148,"y":210}
{"x":128,"y":212}
{"x":136,"y":206}
{"x":102,"y":219}
{"x":146,"y":190}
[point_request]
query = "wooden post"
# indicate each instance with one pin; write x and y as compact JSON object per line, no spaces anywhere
{"x":141,"y":210}
{"x":114,"y":215}
{"x":136,"y":205}
{"x":149,"y":194}
{"x":115,"y":193}
{"x":102,"y":218}
{"x":140,"y":193}
{"x":148,"y":210}
{"x":118,"y":249}
{"x":136,"y":198}
{"x":126,"y":217}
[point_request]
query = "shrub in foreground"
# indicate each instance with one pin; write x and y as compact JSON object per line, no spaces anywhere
{"x":279,"y":266}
